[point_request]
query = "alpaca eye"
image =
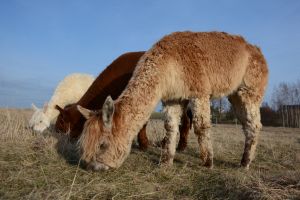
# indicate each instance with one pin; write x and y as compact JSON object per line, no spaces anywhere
{"x":41,"y":121}
{"x":104,"y":145}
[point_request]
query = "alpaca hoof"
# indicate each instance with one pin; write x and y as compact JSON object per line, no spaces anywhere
{"x":167,"y":161}
{"x":245,"y":163}
{"x":143,"y":147}
{"x":181,"y":147}
{"x":244,"y":166}
{"x":166,"y":164}
{"x":208,"y":164}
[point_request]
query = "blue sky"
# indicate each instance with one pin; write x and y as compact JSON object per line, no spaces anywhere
{"x":43,"y":41}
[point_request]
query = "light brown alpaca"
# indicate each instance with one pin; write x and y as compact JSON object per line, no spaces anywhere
{"x":182,"y":65}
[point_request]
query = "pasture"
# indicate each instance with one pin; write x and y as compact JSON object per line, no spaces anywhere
{"x":45,"y":166}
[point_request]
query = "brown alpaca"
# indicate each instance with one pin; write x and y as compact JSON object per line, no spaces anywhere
{"x":112,"y":81}
{"x":194,"y":66}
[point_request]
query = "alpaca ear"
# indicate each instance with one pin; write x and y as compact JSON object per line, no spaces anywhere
{"x":108,"y":110}
{"x":45,"y":107}
{"x":59,"y":109}
{"x":34,"y":107}
{"x":85,"y":112}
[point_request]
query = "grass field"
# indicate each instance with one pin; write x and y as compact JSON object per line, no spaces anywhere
{"x":35,"y":166}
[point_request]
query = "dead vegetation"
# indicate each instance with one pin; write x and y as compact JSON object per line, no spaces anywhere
{"x":34,"y":166}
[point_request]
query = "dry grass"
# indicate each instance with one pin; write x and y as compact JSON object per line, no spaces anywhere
{"x":35,"y":166}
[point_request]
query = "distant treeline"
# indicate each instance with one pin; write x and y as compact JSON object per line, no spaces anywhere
{"x":285,"y":109}
{"x":286,"y":116}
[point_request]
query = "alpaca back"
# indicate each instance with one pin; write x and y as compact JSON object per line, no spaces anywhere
{"x":68,"y":91}
{"x":189,"y":64}
{"x":111,"y":81}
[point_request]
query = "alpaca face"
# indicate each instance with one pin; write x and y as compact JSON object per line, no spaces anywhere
{"x":39,"y":121}
{"x":62,"y":124}
{"x":69,"y":121}
{"x":100,"y":149}
{"x":95,"y":147}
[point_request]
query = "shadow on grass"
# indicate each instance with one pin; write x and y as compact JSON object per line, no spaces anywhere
{"x":152,"y":153}
{"x":66,"y":147}
{"x":226,"y":164}
{"x":216,"y":185}
{"x":183,"y":157}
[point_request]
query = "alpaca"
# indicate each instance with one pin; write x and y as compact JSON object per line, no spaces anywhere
{"x":112,"y":81}
{"x":68,"y":91}
{"x":194,"y":66}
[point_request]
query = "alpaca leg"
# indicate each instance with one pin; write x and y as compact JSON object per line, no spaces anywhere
{"x":184,"y":131}
{"x":142,"y":138}
{"x":201,"y":121}
{"x":246,"y":106}
{"x":172,"y":112}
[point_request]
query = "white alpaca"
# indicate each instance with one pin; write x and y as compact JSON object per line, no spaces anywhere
{"x":68,"y":91}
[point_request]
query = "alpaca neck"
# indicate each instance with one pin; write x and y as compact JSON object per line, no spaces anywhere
{"x":51,"y":112}
{"x":100,"y":89}
{"x":112,"y":81}
{"x":135,"y":105}
{"x":135,"y":114}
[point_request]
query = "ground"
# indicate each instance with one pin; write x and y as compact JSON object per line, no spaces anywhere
{"x":45,"y":166}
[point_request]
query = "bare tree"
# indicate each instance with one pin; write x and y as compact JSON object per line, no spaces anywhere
{"x":286,"y":100}
{"x":219,"y":108}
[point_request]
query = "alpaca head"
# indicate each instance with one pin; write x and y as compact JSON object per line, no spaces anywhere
{"x":100,"y":145}
{"x":39,"y":121}
{"x":69,"y":120}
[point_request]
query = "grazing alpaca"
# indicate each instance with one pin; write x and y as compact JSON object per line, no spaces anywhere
{"x":112,"y":81}
{"x":68,"y":91}
{"x":184,"y":65}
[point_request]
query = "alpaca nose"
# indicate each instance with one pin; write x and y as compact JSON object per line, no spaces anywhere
{"x":27,"y":127}
{"x":38,"y":129}
{"x":96,"y":166}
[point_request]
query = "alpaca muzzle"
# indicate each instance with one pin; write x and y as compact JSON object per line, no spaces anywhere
{"x":96,"y":166}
